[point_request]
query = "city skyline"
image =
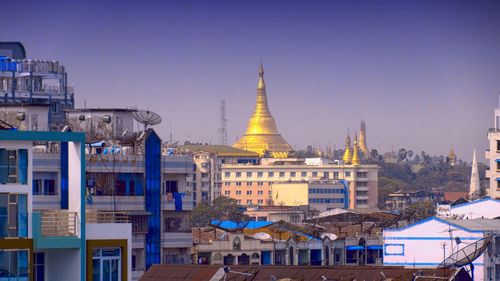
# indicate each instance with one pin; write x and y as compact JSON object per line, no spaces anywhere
{"x":424,"y":75}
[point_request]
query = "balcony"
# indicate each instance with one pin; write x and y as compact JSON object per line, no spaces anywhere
{"x":60,"y":223}
{"x":95,"y":216}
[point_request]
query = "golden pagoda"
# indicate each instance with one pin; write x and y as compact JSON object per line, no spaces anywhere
{"x":347,"y":153}
{"x":362,"y":139}
{"x":262,"y":134}
{"x":355,"y":155}
{"x":452,"y":158}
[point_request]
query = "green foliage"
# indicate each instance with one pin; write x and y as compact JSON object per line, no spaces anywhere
{"x":222,"y":208}
{"x":422,"y":210}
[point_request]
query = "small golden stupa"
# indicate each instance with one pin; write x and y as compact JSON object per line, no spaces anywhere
{"x":262,"y":134}
{"x":347,"y":153}
{"x":355,"y":153}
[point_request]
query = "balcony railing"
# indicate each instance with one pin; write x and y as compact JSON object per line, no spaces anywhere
{"x":60,"y":223}
{"x":95,"y":216}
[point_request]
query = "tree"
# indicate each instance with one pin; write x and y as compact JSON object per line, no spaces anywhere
{"x":222,"y":208}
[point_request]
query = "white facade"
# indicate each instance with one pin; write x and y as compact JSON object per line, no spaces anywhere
{"x":487,"y":208}
{"x":493,"y":155}
{"x":428,"y":242}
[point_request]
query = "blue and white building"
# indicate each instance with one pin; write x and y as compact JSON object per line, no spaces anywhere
{"x":428,"y":242}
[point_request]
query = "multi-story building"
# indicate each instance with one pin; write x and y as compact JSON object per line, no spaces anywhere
{"x":207,"y":178}
{"x":321,"y":196}
{"x":40,"y":241}
{"x":252,"y":184}
{"x":128,"y":178}
{"x":493,"y":155}
{"x":33,"y":82}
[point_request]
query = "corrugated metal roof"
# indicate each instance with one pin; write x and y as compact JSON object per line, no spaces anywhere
{"x":165,"y":272}
{"x":478,"y":224}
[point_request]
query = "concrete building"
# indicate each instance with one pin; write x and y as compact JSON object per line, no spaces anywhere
{"x":280,"y":243}
{"x":487,"y":208}
{"x":34,"y":82}
{"x":207,"y":178}
{"x":321,"y":196}
{"x":41,"y":242}
{"x":493,"y":156}
{"x":252,"y":184}
{"x":427,"y":243}
{"x":289,"y":214}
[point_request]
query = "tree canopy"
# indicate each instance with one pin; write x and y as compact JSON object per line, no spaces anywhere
{"x":221,"y":208}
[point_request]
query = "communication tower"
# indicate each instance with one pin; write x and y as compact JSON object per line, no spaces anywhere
{"x":223,"y":124}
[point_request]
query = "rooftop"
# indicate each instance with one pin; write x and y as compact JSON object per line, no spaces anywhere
{"x":218,"y":149}
{"x":477,"y":224}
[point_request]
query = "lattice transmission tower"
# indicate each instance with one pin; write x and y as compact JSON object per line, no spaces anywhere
{"x":223,"y":124}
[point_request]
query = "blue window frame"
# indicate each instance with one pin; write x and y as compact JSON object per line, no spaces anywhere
{"x":14,"y":265}
{"x":13,"y":166}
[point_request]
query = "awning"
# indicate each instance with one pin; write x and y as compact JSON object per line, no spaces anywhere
{"x":374,"y":247}
{"x":497,"y":179}
{"x":354,"y":248}
{"x":497,"y":160}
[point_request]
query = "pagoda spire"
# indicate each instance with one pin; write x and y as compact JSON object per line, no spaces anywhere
{"x":355,"y":154}
{"x":474,"y":188}
{"x":262,"y":134}
{"x":347,"y":153}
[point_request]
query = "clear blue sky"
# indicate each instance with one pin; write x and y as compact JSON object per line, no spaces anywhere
{"x":423,"y":74}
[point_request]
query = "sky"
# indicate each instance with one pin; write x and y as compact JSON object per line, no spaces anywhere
{"x":424,"y":75}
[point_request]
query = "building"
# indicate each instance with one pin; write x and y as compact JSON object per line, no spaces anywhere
{"x":130,"y":177}
{"x":252,"y":184}
{"x":207,"y":178}
{"x":487,"y":208}
{"x":291,"y":214}
{"x":429,"y":242}
{"x":281,"y":243}
{"x":34,"y":83}
{"x":493,"y":156}
{"x":57,"y":242}
{"x":399,"y":201}
{"x":262,"y":135}
{"x":321,"y":196}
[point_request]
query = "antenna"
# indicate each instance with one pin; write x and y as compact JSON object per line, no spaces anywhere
{"x":146,"y":117}
{"x":467,"y":255}
{"x":223,"y":124}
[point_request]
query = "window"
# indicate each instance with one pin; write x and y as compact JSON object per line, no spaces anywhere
{"x":194,"y":167}
{"x":292,"y":174}
{"x":260,"y":183}
{"x":249,"y":174}
{"x":227,"y":174}
{"x":37,"y":187}
{"x":227,"y":192}
{"x":347,"y":174}
{"x":260,"y":192}
{"x":171,"y":187}
{"x":326,"y":175}
{"x":238,"y":183}
{"x":204,"y":175}
{"x":49,"y":187}
{"x":282,"y":174}
{"x":14,"y":265}
{"x":361,"y":183}
{"x":13,"y":166}
{"x":260,"y":201}
{"x":260,"y":174}
{"x":249,"y":192}
{"x":303,"y":174}
{"x":239,"y":201}
{"x":39,"y":267}
{"x":249,"y":201}
{"x":238,"y":192}
{"x":13,"y":215}
{"x":270,"y":192}
{"x":106,"y":264}
{"x":227,"y":183}
{"x":270,"y":174}
{"x":315,"y":174}
{"x":238,"y":174}
{"x":249,"y":183}
{"x":176,"y":221}
{"x":498,"y":145}
{"x":335,"y":175}
{"x":498,"y":164}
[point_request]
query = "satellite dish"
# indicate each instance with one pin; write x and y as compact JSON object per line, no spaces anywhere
{"x":330,"y":236}
{"x":262,"y":236}
{"x":146,"y":117}
{"x":467,"y":255}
